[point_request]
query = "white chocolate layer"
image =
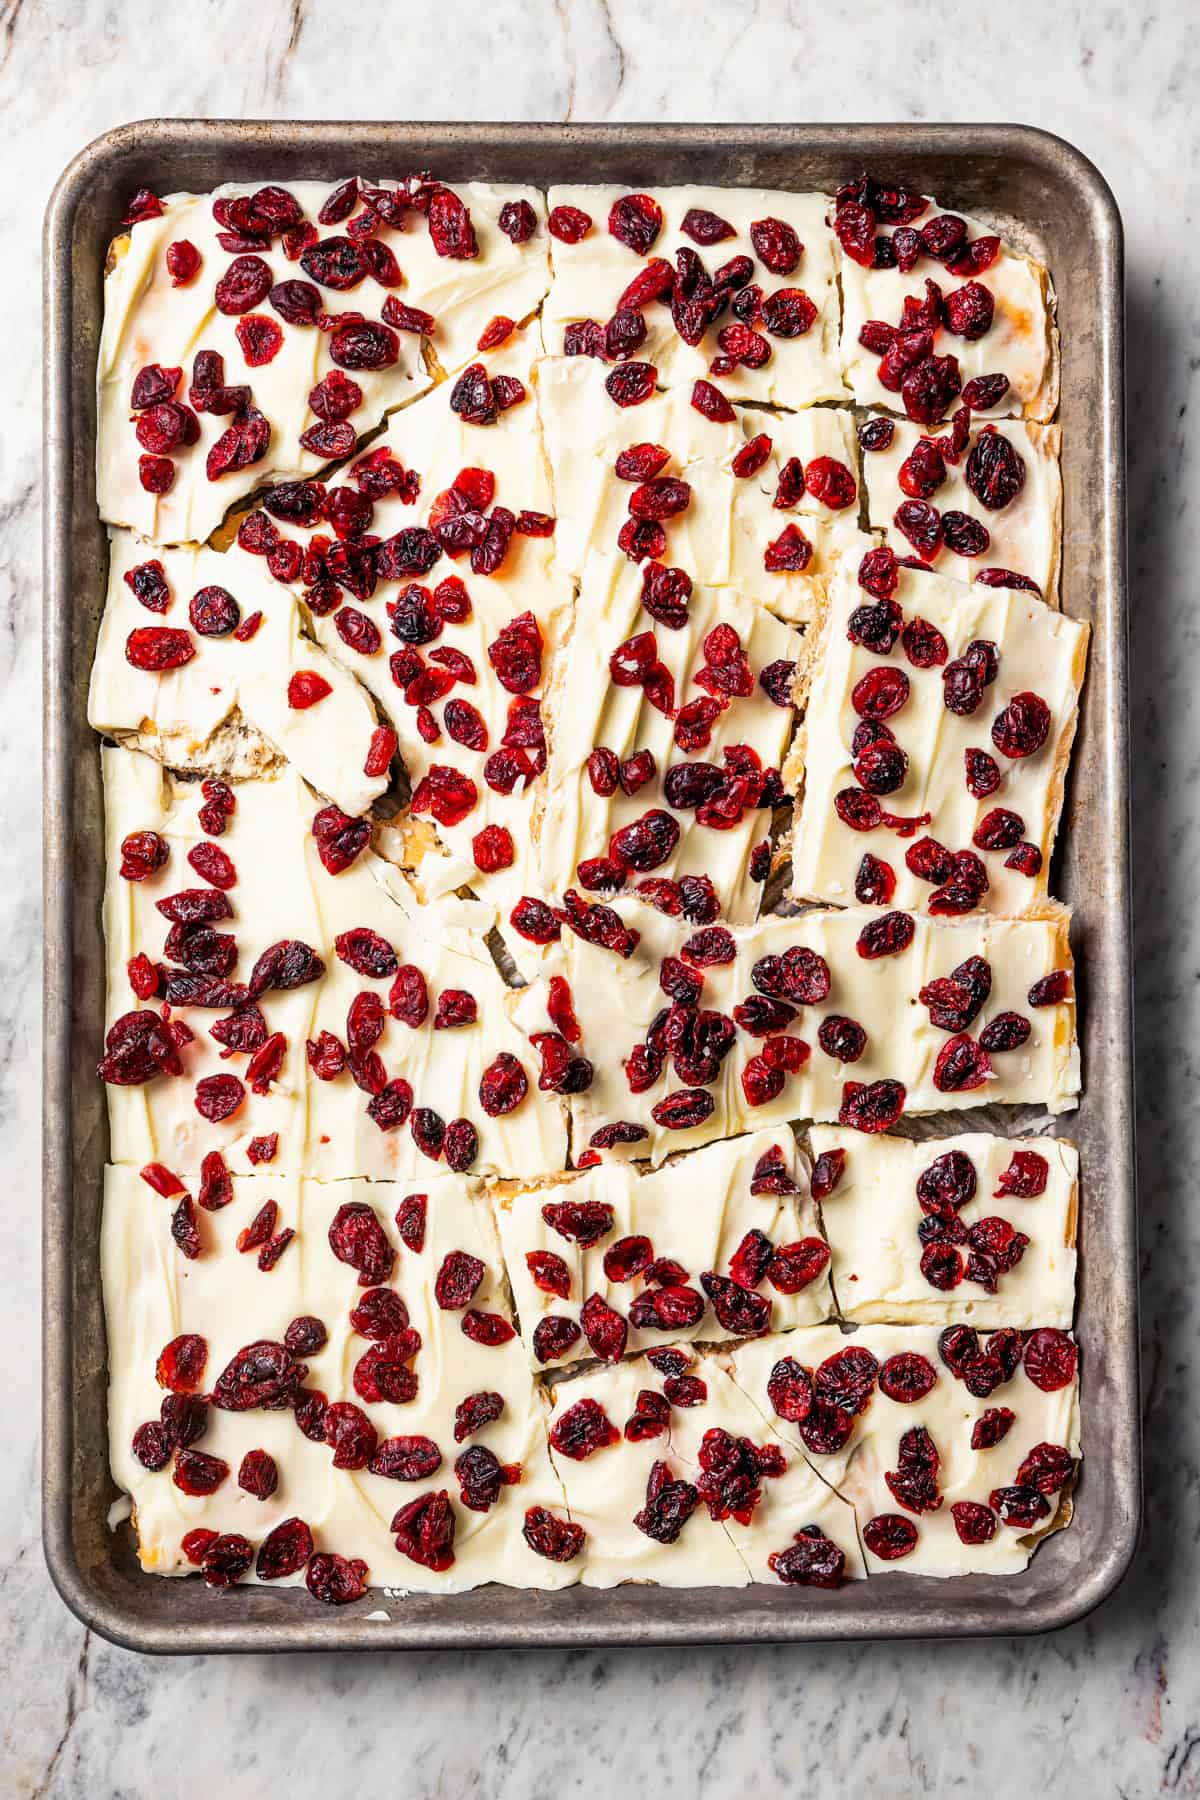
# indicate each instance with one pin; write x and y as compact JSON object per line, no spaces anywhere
{"x":948,"y":1413}
{"x":871,"y":1221}
{"x":177,"y":716}
{"x":152,"y":1294}
{"x":1019,"y":342}
{"x":590,"y":277}
{"x":617,"y":999}
{"x":695,"y":1211}
{"x":284,"y":892}
{"x":1039,"y":651}
{"x":606,"y":1489}
{"x":147,"y":320}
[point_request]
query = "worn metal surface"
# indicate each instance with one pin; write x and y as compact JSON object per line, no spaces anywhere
{"x":1031,"y":184}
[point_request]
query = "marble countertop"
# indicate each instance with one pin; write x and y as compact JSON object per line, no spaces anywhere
{"x":1120,"y":1692}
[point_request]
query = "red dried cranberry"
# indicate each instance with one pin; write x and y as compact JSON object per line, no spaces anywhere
{"x":356,"y":1237}
{"x":502,"y":1086}
{"x":631,"y":383}
{"x":887,"y":935}
{"x":873,"y":1106}
{"x":830,"y":482}
{"x":1022,"y":727}
{"x":197,"y":1473}
{"x":889,"y":1536}
{"x":568,"y":224}
{"x":812,"y":1560}
{"x":336,"y":1580}
{"x":582,"y":1429}
{"x":1050,"y":1359}
{"x":635,"y":220}
{"x":258,"y":1475}
{"x":776,"y":245}
{"x":789,"y":554}
{"x":995,"y":470}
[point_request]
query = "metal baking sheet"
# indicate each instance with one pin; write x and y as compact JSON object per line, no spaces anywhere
{"x":1049,"y":196}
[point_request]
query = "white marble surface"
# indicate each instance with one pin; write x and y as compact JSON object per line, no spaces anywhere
{"x":1112,"y":1705}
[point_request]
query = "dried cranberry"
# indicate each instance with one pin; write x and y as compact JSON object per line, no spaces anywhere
{"x":356,"y":1237}
{"x":635,"y":220}
{"x":631,"y":383}
{"x":284,"y":1551}
{"x":258,"y":1474}
{"x":1050,"y":1359}
{"x":889,"y":1537}
{"x":995,"y":470}
{"x":1022,"y":727}
{"x":336,"y":1580}
{"x":244,"y":285}
{"x":872,"y":1106}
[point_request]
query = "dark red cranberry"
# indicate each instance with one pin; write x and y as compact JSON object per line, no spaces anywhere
{"x":995,"y":470}
{"x":1050,"y":1359}
{"x":1022,"y":727}
{"x":982,"y":773}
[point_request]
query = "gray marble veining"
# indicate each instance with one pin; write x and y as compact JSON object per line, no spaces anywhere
{"x":1113,"y":1704}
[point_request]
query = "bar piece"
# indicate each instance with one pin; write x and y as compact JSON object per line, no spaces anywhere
{"x":671,"y":715}
{"x":765,"y":503}
{"x":427,"y":570}
{"x":734,"y":283}
{"x":859,"y":1016}
{"x":254,"y":335}
{"x":982,"y":501}
{"x":678,"y":1479}
{"x":933,"y":754}
{"x":363,"y":1394}
{"x":936,"y":306}
{"x":321,"y":1020}
{"x":974,"y":1228}
{"x":201,"y":663}
{"x":958,"y":1452}
{"x":706,"y":1247}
